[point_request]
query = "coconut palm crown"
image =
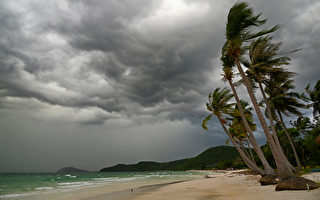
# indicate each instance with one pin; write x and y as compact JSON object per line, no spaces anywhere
{"x":237,"y":125}
{"x":218,"y":104}
{"x":240,"y":21}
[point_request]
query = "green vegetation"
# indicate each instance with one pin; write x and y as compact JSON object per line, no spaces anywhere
{"x":304,"y":141}
{"x":213,"y":157}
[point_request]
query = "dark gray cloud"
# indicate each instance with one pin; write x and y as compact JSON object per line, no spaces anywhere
{"x":136,"y":52}
{"x":115,"y":64}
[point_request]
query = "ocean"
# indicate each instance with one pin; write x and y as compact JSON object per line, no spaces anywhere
{"x":40,"y":186}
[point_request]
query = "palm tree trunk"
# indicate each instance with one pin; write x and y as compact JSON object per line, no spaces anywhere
{"x":255,"y":144}
{"x":250,"y":151}
{"x":248,"y":162}
{"x":249,"y":141}
{"x":290,"y":140}
{"x":244,"y":150}
{"x":275,"y":136}
{"x":249,"y":144}
{"x":283,"y":170}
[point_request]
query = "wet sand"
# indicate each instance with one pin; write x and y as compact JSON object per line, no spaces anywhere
{"x":131,"y":193}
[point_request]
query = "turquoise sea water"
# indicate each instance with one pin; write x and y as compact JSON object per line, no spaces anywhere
{"x":20,"y":185}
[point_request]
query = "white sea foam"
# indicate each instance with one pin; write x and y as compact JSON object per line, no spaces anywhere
{"x":117,"y":179}
{"x":69,"y":175}
{"x":44,"y":188}
{"x":106,"y":179}
{"x":127,"y":179}
{"x":9,"y":196}
{"x":74,"y":184}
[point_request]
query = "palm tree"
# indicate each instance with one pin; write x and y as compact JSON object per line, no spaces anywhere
{"x":241,"y":138}
{"x":240,"y":20}
{"x":237,"y":127}
{"x":228,"y":75}
{"x":219,"y":105}
{"x":263,"y":64}
{"x":281,"y":100}
{"x":314,"y":97}
{"x":302,"y":124}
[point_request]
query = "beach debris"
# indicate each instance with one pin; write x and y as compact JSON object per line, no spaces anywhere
{"x":296,"y":183}
{"x":269,"y":180}
{"x":246,"y":172}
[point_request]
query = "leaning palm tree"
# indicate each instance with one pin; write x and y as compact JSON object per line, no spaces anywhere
{"x":240,"y":20}
{"x":241,"y":138}
{"x":237,"y":127}
{"x":263,"y":64}
{"x":219,"y":105}
{"x":283,"y":101}
{"x":228,"y":75}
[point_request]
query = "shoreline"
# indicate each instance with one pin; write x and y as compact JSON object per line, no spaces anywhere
{"x":119,"y":191}
{"x":82,"y":186}
{"x":216,"y":185}
{"x":228,"y":185}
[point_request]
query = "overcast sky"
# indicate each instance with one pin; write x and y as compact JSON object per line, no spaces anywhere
{"x":94,"y":83}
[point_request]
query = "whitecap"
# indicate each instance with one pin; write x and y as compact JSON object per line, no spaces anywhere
{"x":69,"y":175}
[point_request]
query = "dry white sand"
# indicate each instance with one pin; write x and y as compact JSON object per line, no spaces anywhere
{"x":227,"y":187}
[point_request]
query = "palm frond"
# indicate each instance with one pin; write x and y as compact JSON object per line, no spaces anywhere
{"x":205,"y":121}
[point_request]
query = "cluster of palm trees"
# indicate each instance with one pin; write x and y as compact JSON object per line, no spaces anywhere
{"x":260,"y":68}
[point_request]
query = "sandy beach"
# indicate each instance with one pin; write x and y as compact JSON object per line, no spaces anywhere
{"x":225,"y":186}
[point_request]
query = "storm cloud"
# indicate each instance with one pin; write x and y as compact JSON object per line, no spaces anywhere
{"x":104,"y":67}
{"x":130,"y":58}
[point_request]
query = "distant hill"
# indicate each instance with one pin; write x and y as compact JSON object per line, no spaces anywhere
{"x":67,"y":170}
{"x":205,"y":160}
